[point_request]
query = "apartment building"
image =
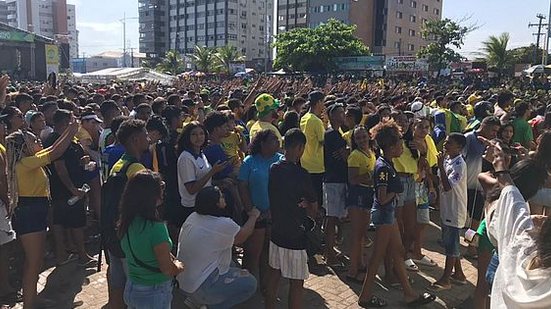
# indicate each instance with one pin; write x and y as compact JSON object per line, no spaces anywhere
{"x":183,"y":24}
{"x":389,"y":27}
{"x":50,"y":18}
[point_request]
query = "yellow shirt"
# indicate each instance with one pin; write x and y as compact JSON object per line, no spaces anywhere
{"x":262,"y":125}
{"x":132,"y":170}
{"x":32,"y":180}
{"x":82,"y":134}
{"x":347,"y":136}
{"x":231,"y":147}
{"x":406,"y":163}
{"x":365,"y":162}
{"x":312,"y":159}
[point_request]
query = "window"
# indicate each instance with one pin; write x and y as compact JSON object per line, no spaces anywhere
{"x":425,"y":8}
{"x":436,"y":11}
{"x":400,"y":1}
{"x":335,"y":7}
{"x":398,"y":14}
{"x":398,"y":30}
{"x":281,"y":17}
{"x":413,"y":4}
{"x":411,"y":47}
{"x":411,"y":32}
{"x":397,"y":45}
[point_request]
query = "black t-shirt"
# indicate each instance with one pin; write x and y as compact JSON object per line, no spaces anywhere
{"x":76,"y":172}
{"x":288,"y":185}
{"x":336,"y":170}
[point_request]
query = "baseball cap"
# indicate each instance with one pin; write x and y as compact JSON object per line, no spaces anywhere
{"x":90,"y":116}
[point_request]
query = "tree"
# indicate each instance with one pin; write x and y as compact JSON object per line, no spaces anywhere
{"x":496,"y":54}
{"x":171,"y":63}
{"x":443,"y":34}
{"x":226,"y":55}
{"x":313,"y":49}
{"x":204,"y":59}
{"x":525,"y":54}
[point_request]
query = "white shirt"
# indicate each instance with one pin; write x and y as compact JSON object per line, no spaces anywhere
{"x":453,"y":203}
{"x":191,"y":169}
{"x":204,"y":245}
{"x":515,"y":286}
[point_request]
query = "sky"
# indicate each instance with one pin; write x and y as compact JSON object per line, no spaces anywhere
{"x":101,"y":29}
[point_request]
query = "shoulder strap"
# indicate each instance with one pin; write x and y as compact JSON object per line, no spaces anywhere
{"x":140,"y":262}
{"x":125,"y":167}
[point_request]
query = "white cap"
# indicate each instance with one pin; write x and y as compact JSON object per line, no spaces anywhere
{"x":419,"y":109}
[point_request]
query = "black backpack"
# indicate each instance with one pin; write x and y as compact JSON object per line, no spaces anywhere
{"x":111,"y":194}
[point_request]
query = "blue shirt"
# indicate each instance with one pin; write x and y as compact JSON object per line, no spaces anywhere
{"x":215,"y":153}
{"x":112,"y":154}
{"x":255,"y":170}
{"x":385,"y":175}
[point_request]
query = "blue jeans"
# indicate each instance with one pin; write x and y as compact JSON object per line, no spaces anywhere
{"x":225,"y":291}
{"x":492,"y":268}
{"x":139,"y":296}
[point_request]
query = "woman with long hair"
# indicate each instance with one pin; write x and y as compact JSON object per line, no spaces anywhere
{"x":253,"y":189}
{"x":146,"y":244}
{"x":361,"y":163}
{"x":29,"y":198}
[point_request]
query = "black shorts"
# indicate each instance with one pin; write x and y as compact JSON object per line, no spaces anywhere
{"x":69,"y":217}
{"x":360,"y":197}
{"x":31,"y":215}
{"x":475,"y":199}
{"x":317,"y":183}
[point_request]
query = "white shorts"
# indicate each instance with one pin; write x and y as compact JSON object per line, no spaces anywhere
{"x":7,"y":233}
{"x":334,"y":199}
{"x":293,"y":264}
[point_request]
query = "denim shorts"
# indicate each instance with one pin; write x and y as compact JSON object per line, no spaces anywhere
{"x":423,"y":214}
{"x":117,"y":271}
{"x":360,"y":197}
{"x":334,"y":199}
{"x":492,"y":268}
{"x":139,"y":296}
{"x":450,"y":240}
{"x":382,"y":216}
{"x":31,"y":215}
{"x":408,"y":195}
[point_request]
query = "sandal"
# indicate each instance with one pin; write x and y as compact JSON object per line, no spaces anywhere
{"x":437,"y":287}
{"x":410,"y":265}
{"x":458,"y":281}
{"x":426,"y":261}
{"x":423,"y":299}
{"x":374,"y":302}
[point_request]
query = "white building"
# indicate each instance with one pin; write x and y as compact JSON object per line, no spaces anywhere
{"x":73,"y":32}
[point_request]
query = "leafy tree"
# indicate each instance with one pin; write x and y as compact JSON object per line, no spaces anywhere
{"x":171,"y":63}
{"x":313,"y":49}
{"x":496,"y":53}
{"x":204,"y":59}
{"x":444,"y":35}
{"x":525,"y":54}
{"x":226,"y":55}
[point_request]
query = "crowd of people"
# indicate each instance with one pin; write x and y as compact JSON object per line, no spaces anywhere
{"x":183,"y":179}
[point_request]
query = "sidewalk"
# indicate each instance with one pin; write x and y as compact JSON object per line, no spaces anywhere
{"x":73,"y":286}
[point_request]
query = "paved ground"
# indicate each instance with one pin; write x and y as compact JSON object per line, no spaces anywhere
{"x":73,"y":286}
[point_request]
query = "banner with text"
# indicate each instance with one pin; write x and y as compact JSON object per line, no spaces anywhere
{"x":406,"y":64}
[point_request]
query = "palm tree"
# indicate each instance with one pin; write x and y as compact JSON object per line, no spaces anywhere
{"x":496,"y":53}
{"x":228,"y":54}
{"x":204,"y":59}
{"x":171,"y":63}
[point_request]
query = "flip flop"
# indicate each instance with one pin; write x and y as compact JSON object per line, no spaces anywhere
{"x":410,"y":265}
{"x":374,"y":302}
{"x":437,"y":287}
{"x":426,"y":261}
{"x":423,"y":299}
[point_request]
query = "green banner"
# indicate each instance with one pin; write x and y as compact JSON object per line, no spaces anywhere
{"x":16,"y":36}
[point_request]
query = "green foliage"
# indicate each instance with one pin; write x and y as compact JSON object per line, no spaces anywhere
{"x":226,"y":55}
{"x":444,"y":35}
{"x":496,"y":53}
{"x":525,"y":54}
{"x":171,"y":63}
{"x":204,"y":59}
{"x":313,"y":49}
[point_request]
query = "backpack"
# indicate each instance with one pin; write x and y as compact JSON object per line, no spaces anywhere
{"x":111,"y":194}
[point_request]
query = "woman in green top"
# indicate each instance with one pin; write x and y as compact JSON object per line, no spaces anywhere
{"x":146,"y":244}
{"x":523,"y":132}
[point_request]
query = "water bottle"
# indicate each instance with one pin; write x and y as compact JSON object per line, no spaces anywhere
{"x":73,"y":200}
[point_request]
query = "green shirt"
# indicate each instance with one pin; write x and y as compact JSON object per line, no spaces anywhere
{"x":144,"y":236}
{"x":523,"y":132}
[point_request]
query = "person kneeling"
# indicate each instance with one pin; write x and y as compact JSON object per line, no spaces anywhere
{"x":205,"y":247}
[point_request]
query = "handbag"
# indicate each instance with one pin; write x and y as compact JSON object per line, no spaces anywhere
{"x":314,"y":236}
{"x":140,"y":262}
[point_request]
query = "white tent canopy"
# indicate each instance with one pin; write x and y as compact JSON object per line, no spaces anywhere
{"x":129,"y":74}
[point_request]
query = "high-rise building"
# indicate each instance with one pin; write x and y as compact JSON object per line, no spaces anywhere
{"x":183,"y":24}
{"x":3,"y":12}
{"x":50,"y":18}
{"x":389,"y":27}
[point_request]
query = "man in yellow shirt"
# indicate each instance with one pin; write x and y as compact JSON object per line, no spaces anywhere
{"x":312,"y":126}
{"x":266,"y":107}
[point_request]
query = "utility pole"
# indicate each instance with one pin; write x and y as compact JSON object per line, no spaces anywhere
{"x":546,"y":51}
{"x":123,"y":21}
{"x":541,"y":17}
{"x":132,"y":57}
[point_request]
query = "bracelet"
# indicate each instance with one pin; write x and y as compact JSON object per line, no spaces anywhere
{"x":501,"y":172}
